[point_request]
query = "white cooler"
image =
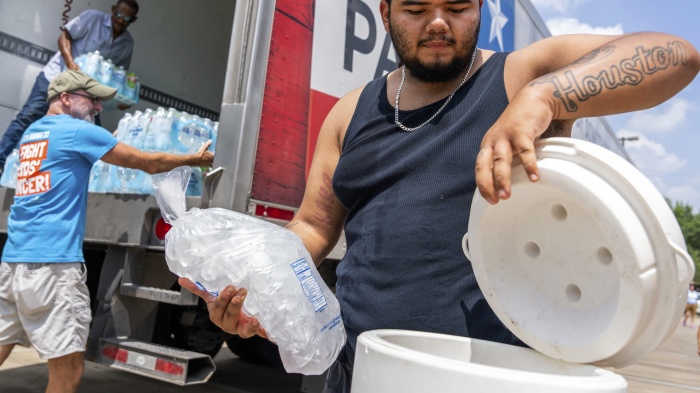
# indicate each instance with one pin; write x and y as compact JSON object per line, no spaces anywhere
{"x":587,"y":265}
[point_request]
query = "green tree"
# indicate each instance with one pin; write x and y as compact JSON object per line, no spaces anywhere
{"x":690,"y":225}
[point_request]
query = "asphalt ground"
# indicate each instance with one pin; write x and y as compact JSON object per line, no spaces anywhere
{"x":672,"y":368}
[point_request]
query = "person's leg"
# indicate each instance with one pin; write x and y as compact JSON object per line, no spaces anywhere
{"x":65,"y":373}
{"x":34,"y":109}
{"x":5,"y":351}
{"x":11,"y":330}
{"x":55,"y":312}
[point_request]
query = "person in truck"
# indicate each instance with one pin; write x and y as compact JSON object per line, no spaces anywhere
{"x":398,"y":161}
{"x":44,"y":300}
{"x":90,"y":31}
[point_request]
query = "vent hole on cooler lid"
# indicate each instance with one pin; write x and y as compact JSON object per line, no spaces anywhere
{"x":559,"y":212}
{"x":573,"y":293}
{"x":605,"y":256}
{"x":532,"y":249}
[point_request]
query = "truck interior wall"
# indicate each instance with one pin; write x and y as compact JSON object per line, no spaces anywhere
{"x":181,"y":48}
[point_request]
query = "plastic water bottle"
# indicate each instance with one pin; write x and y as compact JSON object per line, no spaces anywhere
{"x":130,"y":88}
{"x":100,"y":177}
{"x":194,"y":187}
{"x":161,"y":125}
{"x":80,"y":61}
{"x":118,"y":78}
{"x":125,"y":176}
{"x":214,"y":136}
{"x":9,"y":174}
{"x":123,"y":127}
{"x":104,"y":75}
{"x":193,"y":134}
{"x":92,"y":64}
{"x":179,"y":121}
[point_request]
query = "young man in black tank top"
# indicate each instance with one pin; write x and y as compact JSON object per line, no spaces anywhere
{"x":545,"y":84}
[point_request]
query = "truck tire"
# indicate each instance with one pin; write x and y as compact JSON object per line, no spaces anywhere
{"x":255,"y":348}
{"x":189,"y":328}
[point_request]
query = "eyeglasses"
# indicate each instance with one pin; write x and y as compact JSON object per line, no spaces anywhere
{"x":93,"y":99}
{"x":126,"y":18}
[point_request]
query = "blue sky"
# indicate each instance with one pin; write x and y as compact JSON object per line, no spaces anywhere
{"x":668,"y":149}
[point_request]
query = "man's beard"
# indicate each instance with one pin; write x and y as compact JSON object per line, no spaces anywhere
{"x":88,"y":116}
{"x":435,"y":71}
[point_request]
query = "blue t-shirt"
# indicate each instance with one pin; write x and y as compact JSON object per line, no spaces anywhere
{"x":91,"y":31}
{"x":47,"y":220}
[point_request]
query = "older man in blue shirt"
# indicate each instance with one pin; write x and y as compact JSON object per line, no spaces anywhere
{"x":90,"y":31}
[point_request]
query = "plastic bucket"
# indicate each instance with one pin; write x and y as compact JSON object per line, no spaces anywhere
{"x":587,"y":265}
{"x":397,"y":361}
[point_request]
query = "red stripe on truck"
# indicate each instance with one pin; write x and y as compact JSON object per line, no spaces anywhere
{"x":281,"y":152}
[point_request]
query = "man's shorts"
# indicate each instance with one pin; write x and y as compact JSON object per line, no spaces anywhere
{"x":691,"y":308}
{"x":46,"y":305}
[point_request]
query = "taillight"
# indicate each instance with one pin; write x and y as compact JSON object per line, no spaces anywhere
{"x":162,"y":229}
{"x":273,"y":212}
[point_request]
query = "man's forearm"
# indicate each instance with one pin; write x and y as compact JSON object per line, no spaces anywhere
{"x":633,"y":72}
{"x":64,"y":46}
{"x":165,"y":162}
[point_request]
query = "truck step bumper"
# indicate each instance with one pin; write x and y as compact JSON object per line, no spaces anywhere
{"x":181,"y":298}
{"x":167,"y":364}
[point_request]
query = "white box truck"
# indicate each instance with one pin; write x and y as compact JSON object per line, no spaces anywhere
{"x":269,"y":72}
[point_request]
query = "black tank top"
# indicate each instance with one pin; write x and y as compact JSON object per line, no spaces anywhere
{"x":408,"y":196}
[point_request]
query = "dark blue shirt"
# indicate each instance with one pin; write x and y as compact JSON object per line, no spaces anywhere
{"x":408,"y":196}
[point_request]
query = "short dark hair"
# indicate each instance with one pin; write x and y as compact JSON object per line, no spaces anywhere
{"x":131,"y":3}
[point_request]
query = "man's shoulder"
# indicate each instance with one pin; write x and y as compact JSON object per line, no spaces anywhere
{"x":93,"y":14}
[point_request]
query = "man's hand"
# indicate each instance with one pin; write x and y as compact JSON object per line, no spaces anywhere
{"x":204,"y":156}
{"x":513,"y":134}
{"x":123,"y":107}
{"x":73,"y":66}
{"x":225,"y":310}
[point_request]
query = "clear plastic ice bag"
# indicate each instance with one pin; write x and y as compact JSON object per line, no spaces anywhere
{"x":216,"y":247}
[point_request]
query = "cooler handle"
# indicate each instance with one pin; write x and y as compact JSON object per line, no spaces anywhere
{"x":465,"y":246}
{"x":685,"y":271}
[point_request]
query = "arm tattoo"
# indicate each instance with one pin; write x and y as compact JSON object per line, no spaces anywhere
{"x":572,"y":90}
{"x":325,"y":201}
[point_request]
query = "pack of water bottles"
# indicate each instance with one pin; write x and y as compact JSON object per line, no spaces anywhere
{"x":216,"y":247}
{"x":107,"y":73}
{"x":162,"y":130}
{"x":9,"y":173}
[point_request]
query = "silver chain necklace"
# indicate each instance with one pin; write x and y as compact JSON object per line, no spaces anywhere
{"x":398,"y":94}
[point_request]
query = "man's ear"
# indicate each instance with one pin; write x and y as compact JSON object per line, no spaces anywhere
{"x":384,"y":11}
{"x":64,"y":98}
{"x":114,"y":8}
{"x":133,"y":20}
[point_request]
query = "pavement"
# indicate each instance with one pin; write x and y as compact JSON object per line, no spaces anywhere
{"x":672,"y":368}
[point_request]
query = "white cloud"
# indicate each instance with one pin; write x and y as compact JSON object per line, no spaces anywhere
{"x":664,"y":118}
{"x":651,"y":157}
{"x":559,"y":26}
{"x":686,"y":193}
{"x":563,"y":6}
{"x":662,"y":167}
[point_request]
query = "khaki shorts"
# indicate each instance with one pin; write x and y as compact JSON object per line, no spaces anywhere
{"x":46,"y":305}
{"x":691,"y":308}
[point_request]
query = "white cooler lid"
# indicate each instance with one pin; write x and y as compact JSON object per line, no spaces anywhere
{"x":586,"y":265}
